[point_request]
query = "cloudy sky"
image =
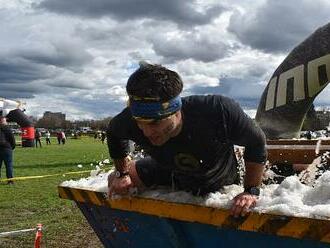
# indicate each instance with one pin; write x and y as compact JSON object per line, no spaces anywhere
{"x":75,"y":56}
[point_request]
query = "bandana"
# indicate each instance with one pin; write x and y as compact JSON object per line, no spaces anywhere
{"x":150,"y":109}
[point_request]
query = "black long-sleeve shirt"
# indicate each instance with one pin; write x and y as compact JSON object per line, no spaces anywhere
{"x":7,"y":139}
{"x":202,"y":154}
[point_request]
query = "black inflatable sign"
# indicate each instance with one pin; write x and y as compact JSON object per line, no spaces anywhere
{"x":11,"y":110}
{"x":303,"y":74}
{"x":25,"y":123}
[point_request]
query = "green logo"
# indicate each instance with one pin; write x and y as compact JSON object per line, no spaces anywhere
{"x":185,"y":161}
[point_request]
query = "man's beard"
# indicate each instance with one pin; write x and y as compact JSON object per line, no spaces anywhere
{"x":169,"y":129}
{"x":165,"y":136}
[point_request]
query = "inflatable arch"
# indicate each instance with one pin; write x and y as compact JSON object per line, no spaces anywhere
{"x":303,"y":74}
{"x":11,"y":110}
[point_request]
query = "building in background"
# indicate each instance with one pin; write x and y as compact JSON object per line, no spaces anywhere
{"x":52,"y":120}
{"x":322,"y":120}
{"x":317,"y":119}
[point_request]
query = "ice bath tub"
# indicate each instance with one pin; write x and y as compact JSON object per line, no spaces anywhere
{"x":144,"y":222}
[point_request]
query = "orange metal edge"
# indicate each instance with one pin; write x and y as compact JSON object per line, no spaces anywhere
{"x":291,"y":156}
{"x":295,"y":227}
{"x":294,"y":154}
{"x":297,"y":142}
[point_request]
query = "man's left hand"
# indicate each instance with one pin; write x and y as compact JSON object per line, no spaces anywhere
{"x":243,"y":203}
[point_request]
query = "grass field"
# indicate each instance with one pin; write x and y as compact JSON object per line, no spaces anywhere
{"x":33,"y":201}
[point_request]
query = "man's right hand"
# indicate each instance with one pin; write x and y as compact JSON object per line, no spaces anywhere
{"x":119,"y":185}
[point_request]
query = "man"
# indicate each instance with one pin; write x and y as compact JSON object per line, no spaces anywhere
{"x":37,"y":138}
{"x":63,"y":138}
{"x":47,"y":138}
{"x":103,"y":136}
{"x":190,"y":140}
{"x":7,"y":144}
{"x":59,"y":137}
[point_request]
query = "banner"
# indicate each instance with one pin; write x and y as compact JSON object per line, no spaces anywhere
{"x":303,"y":74}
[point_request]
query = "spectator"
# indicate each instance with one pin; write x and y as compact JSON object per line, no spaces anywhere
{"x":59,"y":137}
{"x":63,"y":138}
{"x":48,"y":138}
{"x":103,"y":136}
{"x":37,"y":138}
{"x":7,"y":145}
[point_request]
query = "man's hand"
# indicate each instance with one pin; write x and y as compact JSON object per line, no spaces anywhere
{"x":119,"y":185}
{"x":243,"y":203}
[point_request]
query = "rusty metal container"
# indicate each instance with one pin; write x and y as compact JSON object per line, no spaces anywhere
{"x":143,"y":222}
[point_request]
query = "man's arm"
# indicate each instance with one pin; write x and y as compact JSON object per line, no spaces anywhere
{"x":243,"y":131}
{"x":253,"y":174}
{"x":253,"y":178}
{"x":125,"y":175}
{"x":122,"y":165}
{"x":118,"y":140}
{"x":121,"y":185}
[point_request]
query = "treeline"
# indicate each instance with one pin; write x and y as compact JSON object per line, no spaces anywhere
{"x":65,"y":124}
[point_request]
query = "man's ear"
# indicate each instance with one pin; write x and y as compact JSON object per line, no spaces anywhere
{"x":178,"y":115}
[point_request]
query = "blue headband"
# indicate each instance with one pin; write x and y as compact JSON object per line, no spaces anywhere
{"x":144,"y":109}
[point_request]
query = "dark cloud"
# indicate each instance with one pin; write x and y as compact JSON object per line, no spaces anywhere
{"x":106,"y":106}
{"x":119,"y":37}
{"x":278,"y":26}
{"x":112,"y":62}
{"x":244,"y":91}
{"x":64,"y":55}
{"x":181,"y":12}
{"x":15,"y":94}
{"x":27,"y":72}
{"x":26,"y":90}
{"x":137,"y":56}
{"x":69,"y":84}
{"x":189,"y":47}
{"x":97,"y":34}
{"x":15,"y":70}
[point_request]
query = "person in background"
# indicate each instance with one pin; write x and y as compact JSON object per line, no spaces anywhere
{"x":189,"y":140}
{"x":63,"y":138}
{"x":37,"y":138}
{"x":7,"y":145}
{"x":59,"y":137}
{"x":103,"y":136}
{"x":47,"y":138}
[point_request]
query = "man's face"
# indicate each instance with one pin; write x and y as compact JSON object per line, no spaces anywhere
{"x":3,"y":120}
{"x":159,"y":132}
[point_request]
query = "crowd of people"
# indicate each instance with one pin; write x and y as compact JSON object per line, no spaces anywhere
{"x":60,"y":135}
{"x":8,"y":144}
